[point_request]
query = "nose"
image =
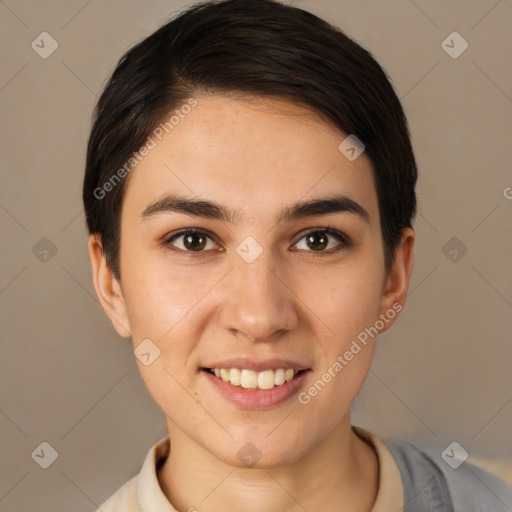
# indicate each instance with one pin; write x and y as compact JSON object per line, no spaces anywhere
{"x":259,"y":303}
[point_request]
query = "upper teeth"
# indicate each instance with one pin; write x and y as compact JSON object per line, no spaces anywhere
{"x":250,"y":379}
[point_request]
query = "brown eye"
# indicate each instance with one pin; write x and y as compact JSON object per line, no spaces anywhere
{"x":317,"y":240}
{"x":191,"y":242}
{"x":321,"y":239}
{"x":194,"y":242}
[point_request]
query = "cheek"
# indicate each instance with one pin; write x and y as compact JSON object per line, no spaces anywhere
{"x":347,"y":299}
{"x":159,"y":294}
{"x":350,"y":309}
{"x":164,"y":299}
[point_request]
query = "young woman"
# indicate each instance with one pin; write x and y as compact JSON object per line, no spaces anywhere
{"x":249,"y":192}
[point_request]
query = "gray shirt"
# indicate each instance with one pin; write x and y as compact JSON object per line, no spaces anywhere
{"x":431,"y":485}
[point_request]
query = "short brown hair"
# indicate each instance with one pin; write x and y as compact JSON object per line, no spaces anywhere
{"x":253,"y":47}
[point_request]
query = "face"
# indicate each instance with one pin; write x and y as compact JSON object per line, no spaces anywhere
{"x":249,"y":271}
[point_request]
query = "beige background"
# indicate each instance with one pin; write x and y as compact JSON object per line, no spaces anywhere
{"x":442,"y":374}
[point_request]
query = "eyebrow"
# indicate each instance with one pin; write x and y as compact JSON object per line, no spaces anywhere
{"x":211,"y":210}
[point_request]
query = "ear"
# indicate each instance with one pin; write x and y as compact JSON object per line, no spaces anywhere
{"x":396,"y":284}
{"x":108,"y":288}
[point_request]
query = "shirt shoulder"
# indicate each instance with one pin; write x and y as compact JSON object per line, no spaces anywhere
{"x":124,"y":499}
{"x":432,"y":485}
{"x":143,"y":493}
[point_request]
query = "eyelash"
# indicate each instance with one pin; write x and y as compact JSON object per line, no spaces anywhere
{"x":341,"y":237}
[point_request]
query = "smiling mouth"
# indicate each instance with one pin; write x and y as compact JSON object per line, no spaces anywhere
{"x":250,"y":379}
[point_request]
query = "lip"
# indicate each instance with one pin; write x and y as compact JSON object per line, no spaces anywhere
{"x":253,"y":399}
{"x":257,"y":366}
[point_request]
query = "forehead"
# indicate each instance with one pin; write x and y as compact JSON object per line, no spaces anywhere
{"x":252,"y":154}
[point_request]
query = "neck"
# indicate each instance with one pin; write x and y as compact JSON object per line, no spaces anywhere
{"x":339,"y":474}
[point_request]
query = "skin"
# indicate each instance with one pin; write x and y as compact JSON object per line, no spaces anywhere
{"x":255,"y":156}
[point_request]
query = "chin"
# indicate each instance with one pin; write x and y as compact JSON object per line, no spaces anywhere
{"x":257,"y":452}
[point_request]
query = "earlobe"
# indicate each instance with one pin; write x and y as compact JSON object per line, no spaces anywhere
{"x":107,"y":288}
{"x":396,"y":285}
